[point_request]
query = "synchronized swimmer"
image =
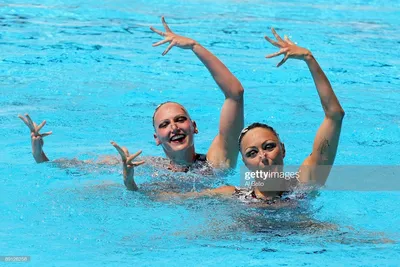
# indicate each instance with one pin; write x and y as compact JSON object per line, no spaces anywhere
{"x":259,"y":144}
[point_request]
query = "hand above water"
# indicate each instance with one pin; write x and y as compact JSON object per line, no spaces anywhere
{"x":288,"y":48}
{"x":36,"y":137}
{"x":172,"y":38}
{"x":128,"y":165}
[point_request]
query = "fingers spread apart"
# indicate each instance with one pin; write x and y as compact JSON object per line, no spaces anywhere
{"x":168,"y":48}
{"x":167,"y":29}
{"x":33,"y":126}
{"x":283,"y":60}
{"x":137,"y":163}
{"x":157,"y":31}
{"x":161,"y":42}
{"x":27,"y":123}
{"x":276,"y":35}
{"x":119,"y":149}
{"x":271,"y":41}
{"x":280,"y":52}
{"x":131,"y":157}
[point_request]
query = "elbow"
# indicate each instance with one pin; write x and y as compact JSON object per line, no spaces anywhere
{"x":237,"y":91}
{"x":336,"y":115}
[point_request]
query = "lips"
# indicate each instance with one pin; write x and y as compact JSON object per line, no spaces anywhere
{"x":178,"y":138}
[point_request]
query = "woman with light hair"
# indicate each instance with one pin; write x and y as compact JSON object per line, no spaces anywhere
{"x":174,"y":127}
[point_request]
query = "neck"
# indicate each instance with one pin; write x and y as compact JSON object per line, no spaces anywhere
{"x":271,"y":188}
{"x":266,"y":194}
{"x":183,"y":158}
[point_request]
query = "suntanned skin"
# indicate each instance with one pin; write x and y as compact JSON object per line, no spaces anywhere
{"x":223,"y":150}
{"x":261,"y":148}
{"x":172,"y":119}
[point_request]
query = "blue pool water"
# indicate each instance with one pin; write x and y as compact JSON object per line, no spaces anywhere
{"x":89,"y":69}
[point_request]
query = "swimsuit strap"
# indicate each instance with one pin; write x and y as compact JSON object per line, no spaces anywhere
{"x":248,"y":195}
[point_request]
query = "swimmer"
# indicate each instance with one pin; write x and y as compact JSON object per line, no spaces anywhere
{"x":262,"y":149}
{"x":174,"y":127}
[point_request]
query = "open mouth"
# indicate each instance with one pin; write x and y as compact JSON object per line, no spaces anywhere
{"x":178,"y":138}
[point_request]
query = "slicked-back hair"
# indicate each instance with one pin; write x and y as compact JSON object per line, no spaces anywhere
{"x":256,"y":125}
{"x":167,"y":102}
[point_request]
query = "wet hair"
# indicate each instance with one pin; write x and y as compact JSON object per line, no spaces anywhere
{"x":167,"y":102}
{"x":256,"y":125}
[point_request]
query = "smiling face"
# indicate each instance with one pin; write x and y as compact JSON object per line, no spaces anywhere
{"x":174,"y":128}
{"x":261,"y":149}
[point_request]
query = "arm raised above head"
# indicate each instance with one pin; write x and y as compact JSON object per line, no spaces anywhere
{"x":224,"y":150}
{"x":327,"y":138}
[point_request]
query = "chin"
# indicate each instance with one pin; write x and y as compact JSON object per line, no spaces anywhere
{"x":178,"y":147}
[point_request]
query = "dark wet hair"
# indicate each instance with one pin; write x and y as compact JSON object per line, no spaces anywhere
{"x":256,"y":125}
{"x":167,"y":102}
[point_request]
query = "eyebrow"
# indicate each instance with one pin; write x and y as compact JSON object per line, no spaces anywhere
{"x":261,"y":144}
{"x":177,"y":116}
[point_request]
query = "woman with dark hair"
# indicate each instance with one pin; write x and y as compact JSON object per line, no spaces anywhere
{"x":263,"y":152}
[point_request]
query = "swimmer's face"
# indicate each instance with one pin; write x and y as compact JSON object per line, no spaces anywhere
{"x":261,"y":149}
{"x":174,"y":128}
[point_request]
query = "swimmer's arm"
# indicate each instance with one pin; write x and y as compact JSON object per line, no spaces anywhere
{"x":128,"y":166}
{"x":129,"y":180}
{"x":224,"y":149}
{"x":317,"y":166}
{"x":223,"y":191}
{"x":41,"y":157}
{"x":36,"y":138}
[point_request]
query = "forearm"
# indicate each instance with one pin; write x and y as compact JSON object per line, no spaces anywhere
{"x":129,"y":180}
{"x":40,"y":157}
{"x":329,"y":101}
{"x":223,"y":191}
{"x":228,"y":83}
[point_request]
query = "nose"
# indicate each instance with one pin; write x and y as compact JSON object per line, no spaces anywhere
{"x":174,"y":127}
{"x":263,"y":158}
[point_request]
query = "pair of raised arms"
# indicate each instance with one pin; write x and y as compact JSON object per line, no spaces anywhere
{"x":286,"y":48}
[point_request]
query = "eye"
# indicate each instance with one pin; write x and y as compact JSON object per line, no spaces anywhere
{"x":269,"y":146}
{"x":251,"y":154}
{"x":181,"y":119}
{"x":163,"y":125}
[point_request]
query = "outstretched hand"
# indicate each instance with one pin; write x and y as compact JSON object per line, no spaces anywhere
{"x":126,"y":158}
{"x":172,"y":38}
{"x":36,"y":137}
{"x":128,"y":165}
{"x":287,"y":48}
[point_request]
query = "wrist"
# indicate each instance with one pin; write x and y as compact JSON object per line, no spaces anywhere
{"x":308,"y":57}
{"x":195,"y":45}
{"x":128,"y":173}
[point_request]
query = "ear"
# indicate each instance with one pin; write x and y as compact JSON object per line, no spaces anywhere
{"x":157,"y":140}
{"x":283,"y":150}
{"x":195,"y":127}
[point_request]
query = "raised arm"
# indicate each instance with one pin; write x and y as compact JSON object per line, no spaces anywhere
{"x":317,"y":165}
{"x":128,"y":166}
{"x":223,"y":151}
{"x":36,"y":138}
